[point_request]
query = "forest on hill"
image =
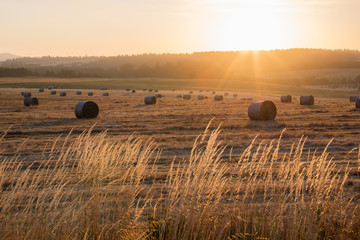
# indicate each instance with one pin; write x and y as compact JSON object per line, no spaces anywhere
{"x":236,"y":65}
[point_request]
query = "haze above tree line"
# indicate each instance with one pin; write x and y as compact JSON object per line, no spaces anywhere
{"x":232,"y":65}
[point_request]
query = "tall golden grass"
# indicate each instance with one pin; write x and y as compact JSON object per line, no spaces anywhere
{"x":98,"y":187}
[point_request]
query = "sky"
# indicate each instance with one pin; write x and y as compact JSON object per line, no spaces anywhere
{"x":118,"y":27}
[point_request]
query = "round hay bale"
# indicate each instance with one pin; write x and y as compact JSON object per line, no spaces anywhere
{"x":265,"y":110}
{"x":144,"y":89}
{"x":156,"y":90}
{"x":307,"y":100}
{"x":41,"y":89}
{"x":22,"y":93}
{"x":105,"y":94}
{"x":353,"y":98}
{"x":158,"y":95}
{"x":86,"y":110}
{"x":226,"y":94}
{"x":90,"y":93}
{"x":133,"y":91}
{"x":357,"y":103}
{"x":26,"y":94}
{"x":249,"y":99}
{"x":150,"y":100}
{"x":235,"y":95}
{"x":187,"y":96}
{"x":200,"y":97}
{"x":286,"y":99}
{"x":103,"y":88}
{"x":78,"y":92}
{"x":219,"y":98}
{"x":53,"y":92}
{"x":128,"y":89}
{"x":190,"y":91}
{"x":150,"y":90}
{"x":179,"y":96}
{"x":62,"y":94}
{"x":28,"y":101}
{"x":50,"y":87}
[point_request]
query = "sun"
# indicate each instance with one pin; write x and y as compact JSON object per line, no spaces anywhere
{"x":255,"y":27}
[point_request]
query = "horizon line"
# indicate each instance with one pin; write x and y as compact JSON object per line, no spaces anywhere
{"x":181,"y":53}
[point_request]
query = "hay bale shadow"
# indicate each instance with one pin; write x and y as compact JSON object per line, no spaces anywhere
{"x":272,"y":124}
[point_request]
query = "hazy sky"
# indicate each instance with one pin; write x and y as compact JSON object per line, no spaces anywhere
{"x":113,"y":27}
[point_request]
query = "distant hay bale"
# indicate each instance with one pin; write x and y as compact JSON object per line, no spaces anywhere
{"x":173,"y":90}
{"x":86,"y":110}
{"x":127,"y":89}
{"x":50,"y":87}
{"x":26,"y":94}
{"x":158,"y":95}
{"x":179,"y":96}
{"x":28,"y":101}
{"x":307,"y":100}
{"x":90,"y":93}
{"x":144,"y":89}
{"x":78,"y":92}
{"x":357,"y":103}
{"x":41,"y":89}
{"x":286,"y":99}
{"x":150,"y":90}
{"x":150,"y":100}
{"x":206,"y":97}
{"x":200,"y":97}
{"x":249,"y":99}
{"x":53,"y":92}
{"x":62,"y":94}
{"x":219,"y":97}
{"x":226,"y":94}
{"x":190,"y":91}
{"x":213,"y":92}
{"x":353,"y":98}
{"x":265,"y":110}
{"x":105,"y":94}
{"x":133,"y":91}
{"x":235,"y":95}
{"x":187,"y":96}
{"x":103,"y":88}
{"x":156,"y":90}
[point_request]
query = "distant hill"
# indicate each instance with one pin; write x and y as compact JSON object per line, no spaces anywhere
{"x":7,"y":56}
{"x":296,"y":64}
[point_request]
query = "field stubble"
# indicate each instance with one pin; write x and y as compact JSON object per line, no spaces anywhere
{"x":242,"y":183}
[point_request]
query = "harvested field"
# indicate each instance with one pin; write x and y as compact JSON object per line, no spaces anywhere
{"x":221,"y":159}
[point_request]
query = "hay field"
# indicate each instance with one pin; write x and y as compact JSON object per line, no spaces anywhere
{"x":238,"y":181}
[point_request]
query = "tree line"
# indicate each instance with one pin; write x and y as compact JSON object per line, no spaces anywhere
{"x":216,"y":64}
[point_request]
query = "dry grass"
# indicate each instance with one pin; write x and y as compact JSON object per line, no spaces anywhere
{"x":96,"y":186}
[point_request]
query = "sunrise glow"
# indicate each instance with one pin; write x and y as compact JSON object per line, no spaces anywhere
{"x":63,"y":28}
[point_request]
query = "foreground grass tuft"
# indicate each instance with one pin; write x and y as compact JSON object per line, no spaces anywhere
{"x":96,"y":187}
